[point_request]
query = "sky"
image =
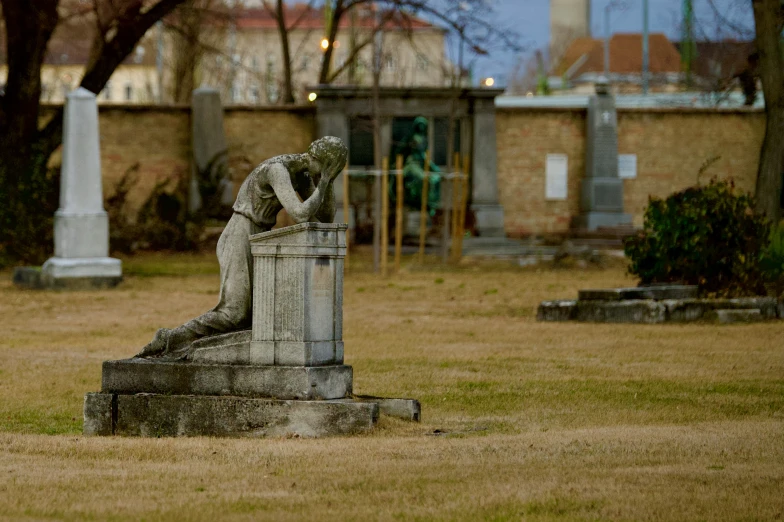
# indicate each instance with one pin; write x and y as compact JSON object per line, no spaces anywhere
{"x":531,"y":20}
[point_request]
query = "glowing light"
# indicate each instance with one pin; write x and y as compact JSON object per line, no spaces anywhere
{"x":489,"y":82}
{"x":312,"y":96}
{"x":324,"y":44}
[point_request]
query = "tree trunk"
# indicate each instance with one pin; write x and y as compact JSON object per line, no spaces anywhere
{"x":28,"y":27}
{"x":288,"y":90}
{"x":25,"y":188}
{"x":767,"y":18}
{"x":337,"y":14}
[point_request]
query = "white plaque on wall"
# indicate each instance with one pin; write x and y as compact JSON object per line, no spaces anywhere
{"x":627,"y":166}
{"x":556,"y":176}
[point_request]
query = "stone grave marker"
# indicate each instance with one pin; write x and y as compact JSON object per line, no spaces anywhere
{"x":81,"y":225}
{"x":284,"y":376}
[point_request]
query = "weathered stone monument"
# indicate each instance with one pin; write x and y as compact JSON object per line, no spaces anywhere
{"x":601,"y":198}
{"x":81,"y":225}
{"x":285,"y":374}
{"x":210,"y":151}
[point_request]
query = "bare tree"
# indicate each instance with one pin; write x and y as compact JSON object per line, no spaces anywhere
{"x":769,"y":22}
{"x":26,"y":147}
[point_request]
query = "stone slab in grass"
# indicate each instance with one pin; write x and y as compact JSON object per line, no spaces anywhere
{"x":156,"y":415}
{"x":647,"y":312}
{"x":131,"y":376}
{"x":658,"y":292}
{"x":737,"y":316}
{"x":406,"y":409}
{"x":563,"y":310}
{"x":686,"y":310}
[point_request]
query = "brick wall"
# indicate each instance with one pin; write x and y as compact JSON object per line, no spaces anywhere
{"x":159,"y":140}
{"x":671,"y":146}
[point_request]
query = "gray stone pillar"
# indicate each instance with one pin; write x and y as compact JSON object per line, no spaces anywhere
{"x":298,"y":295}
{"x":81,"y":225}
{"x":210,"y":152}
{"x":601,"y":197}
{"x":485,"y":204}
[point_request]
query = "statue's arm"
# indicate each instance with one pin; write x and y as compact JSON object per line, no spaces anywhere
{"x":300,"y":211}
{"x":326,"y":212}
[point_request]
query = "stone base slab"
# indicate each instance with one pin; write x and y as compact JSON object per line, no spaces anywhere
{"x":237,"y":348}
{"x":154,"y":415}
{"x":59,"y":267}
{"x":130,"y":376}
{"x":591,"y":221}
{"x":406,"y":409}
{"x":489,"y":220}
{"x":35,"y":278}
{"x":737,"y":316}
{"x":658,"y":293}
{"x":652,"y":311}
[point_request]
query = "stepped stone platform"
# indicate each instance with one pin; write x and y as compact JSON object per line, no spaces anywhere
{"x":283,"y":377}
{"x":658,"y":304}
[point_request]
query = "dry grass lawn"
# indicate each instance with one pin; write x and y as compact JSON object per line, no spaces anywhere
{"x":521,"y":420}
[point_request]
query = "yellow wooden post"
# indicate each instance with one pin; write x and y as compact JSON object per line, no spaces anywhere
{"x":346,"y":214}
{"x":423,"y":210}
{"x":398,"y":211}
{"x":384,"y":214}
{"x":455,"y":202}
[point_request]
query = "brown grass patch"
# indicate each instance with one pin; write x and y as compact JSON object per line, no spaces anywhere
{"x":537,"y":421}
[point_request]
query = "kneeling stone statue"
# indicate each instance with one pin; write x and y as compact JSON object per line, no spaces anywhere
{"x":277,"y":183}
{"x":270,"y":368}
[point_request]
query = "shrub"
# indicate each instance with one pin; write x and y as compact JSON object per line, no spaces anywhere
{"x":707,"y":236}
{"x":161,"y":223}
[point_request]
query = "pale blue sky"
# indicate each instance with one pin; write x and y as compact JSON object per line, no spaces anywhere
{"x":531,"y":20}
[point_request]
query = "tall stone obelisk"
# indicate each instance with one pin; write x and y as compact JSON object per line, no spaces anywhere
{"x":81,"y":225}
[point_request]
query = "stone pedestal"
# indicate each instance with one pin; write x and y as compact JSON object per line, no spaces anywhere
{"x":81,"y":225}
{"x":283,"y":377}
{"x":298,"y":295}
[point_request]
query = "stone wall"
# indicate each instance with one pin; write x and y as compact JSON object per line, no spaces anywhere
{"x":158,"y":139}
{"x":671,"y":146}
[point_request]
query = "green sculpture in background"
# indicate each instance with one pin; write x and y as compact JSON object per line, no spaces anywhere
{"x":414,"y":151}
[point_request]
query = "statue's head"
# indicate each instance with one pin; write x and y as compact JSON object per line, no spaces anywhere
{"x":329,"y":150}
{"x":420,"y":125}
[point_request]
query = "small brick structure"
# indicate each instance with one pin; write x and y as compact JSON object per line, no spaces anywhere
{"x":658,"y":304}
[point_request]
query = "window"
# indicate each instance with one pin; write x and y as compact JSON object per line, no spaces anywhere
{"x":128,"y":92}
{"x":107,"y":91}
{"x":305,"y":63}
{"x":254,"y":63}
{"x":236,"y":59}
{"x":390,"y":64}
{"x":253,"y":94}
{"x":422,"y":63}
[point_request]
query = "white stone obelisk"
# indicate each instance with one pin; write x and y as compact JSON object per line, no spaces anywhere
{"x":81,"y":225}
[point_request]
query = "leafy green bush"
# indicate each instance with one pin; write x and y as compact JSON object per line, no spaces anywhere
{"x":707,"y":236}
{"x":772,"y":260}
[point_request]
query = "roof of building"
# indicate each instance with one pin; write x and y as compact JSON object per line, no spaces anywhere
{"x":586,"y":55}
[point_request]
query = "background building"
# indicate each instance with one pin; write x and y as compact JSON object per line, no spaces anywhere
{"x":238,"y":50}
